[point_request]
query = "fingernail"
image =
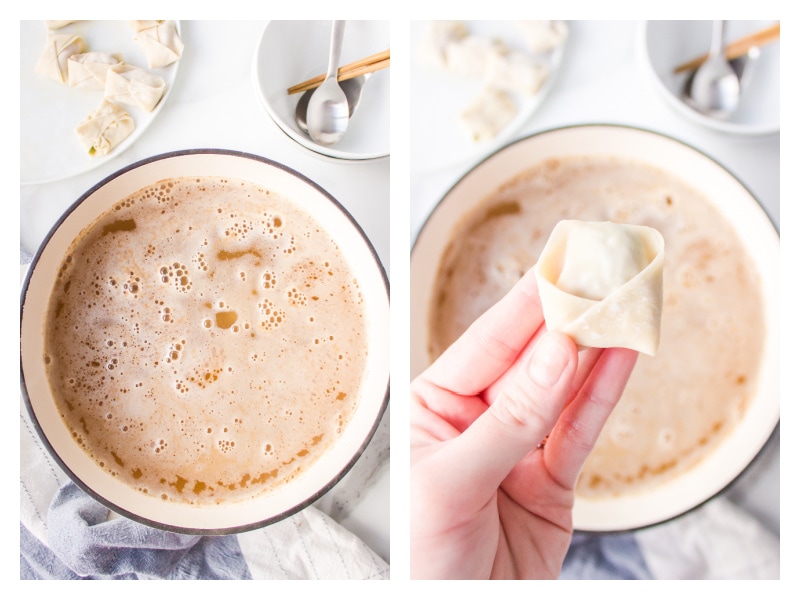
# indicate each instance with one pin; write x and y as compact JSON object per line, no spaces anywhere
{"x":548,"y":361}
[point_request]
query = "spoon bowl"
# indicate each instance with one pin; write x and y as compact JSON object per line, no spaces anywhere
{"x":352,"y":90}
{"x":328,"y":114}
{"x":742,"y":66}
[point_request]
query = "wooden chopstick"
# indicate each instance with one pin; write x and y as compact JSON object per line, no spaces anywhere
{"x":368,"y":64}
{"x":738,"y":48}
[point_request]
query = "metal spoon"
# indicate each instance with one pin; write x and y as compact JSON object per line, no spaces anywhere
{"x":742,"y":65}
{"x":352,"y":89}
{"x":328,"y":114}
{"x":715,"y":87}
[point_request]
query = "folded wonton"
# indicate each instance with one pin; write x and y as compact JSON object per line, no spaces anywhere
{"x":601,"y":284}
{"x":543,"y":36}
{"x":105,"y":128}
{"x":159,"y":40}
{"x":134,"y":86}
{"x":57,"y":50}
{"x":438,"y":35}
{"x":488,"y":114}
{"x":57,"y":24}
{"x":88,"y":70}
{"x":516,"y":71}
{"x":470,"y":55}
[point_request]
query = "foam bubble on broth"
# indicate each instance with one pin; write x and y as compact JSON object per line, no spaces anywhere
{"x":205,"y":340}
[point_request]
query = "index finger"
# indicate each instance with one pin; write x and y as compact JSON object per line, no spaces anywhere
{"x":580,"y":424}
{"x":492,"y":343}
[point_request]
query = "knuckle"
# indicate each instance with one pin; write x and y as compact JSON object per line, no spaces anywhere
{"x":519,"y":407}
{"x":574,"y":433}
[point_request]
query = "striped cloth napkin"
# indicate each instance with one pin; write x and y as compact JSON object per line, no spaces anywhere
{"x":66,"y":534}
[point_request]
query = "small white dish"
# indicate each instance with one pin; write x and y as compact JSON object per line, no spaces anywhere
{"x":663,"y":45}
{"x":438,"y":97}
{"x":50,"y":111}
{"x":290,"y":52}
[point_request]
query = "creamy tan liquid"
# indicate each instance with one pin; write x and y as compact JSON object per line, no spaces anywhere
{"x":205,"y":341}
{"x":678,"y":404}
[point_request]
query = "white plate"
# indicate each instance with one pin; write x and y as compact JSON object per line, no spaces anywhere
{"x":292,"y":51}
{"x":50,"y":111}
{"x":663,"y":45}
{"x":438,"y":97}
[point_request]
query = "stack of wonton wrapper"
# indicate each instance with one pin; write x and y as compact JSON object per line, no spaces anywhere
{"x":67,"y":60}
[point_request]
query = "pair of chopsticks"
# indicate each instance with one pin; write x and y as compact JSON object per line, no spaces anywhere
{"x":368,"y":64}
{"x":738,"y":48}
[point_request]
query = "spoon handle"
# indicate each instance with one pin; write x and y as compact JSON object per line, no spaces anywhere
{"x":737,"y":48}
{"x":717,"y":38}
{"x":337,"y":33}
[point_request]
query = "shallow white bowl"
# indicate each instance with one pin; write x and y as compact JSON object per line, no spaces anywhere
{"x":235,"y":516}
{"x":663,"y":45}
{"x":293,"y":51}
{"x":733,"y":200}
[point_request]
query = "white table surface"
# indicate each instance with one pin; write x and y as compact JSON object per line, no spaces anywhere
{"x":214,"y":105}
{"x":602,"y":80}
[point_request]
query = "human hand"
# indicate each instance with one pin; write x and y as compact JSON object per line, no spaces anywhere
{"x":488,"y":499}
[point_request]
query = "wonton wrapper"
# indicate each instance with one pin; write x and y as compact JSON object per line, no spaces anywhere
{"x":89,"y":70}
{"x":601,"y":284}
{"x":437,"y":37}
{"x":159,"y":40}
{"x":470,"y":55}
{"x":57,"y":24}
{"x":516,"y":71}
{"x":488,"y":114}
{"x":543,"y":36}
{"x":126,"y":84}
{"x":57,"y":50}
{"x":102,"y":130}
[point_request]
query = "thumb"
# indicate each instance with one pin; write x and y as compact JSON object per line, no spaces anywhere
{"x":523,"y":413}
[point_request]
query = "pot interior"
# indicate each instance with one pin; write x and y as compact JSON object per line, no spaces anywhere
{"x":735,"y":203}
{"x":322,"y":474}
